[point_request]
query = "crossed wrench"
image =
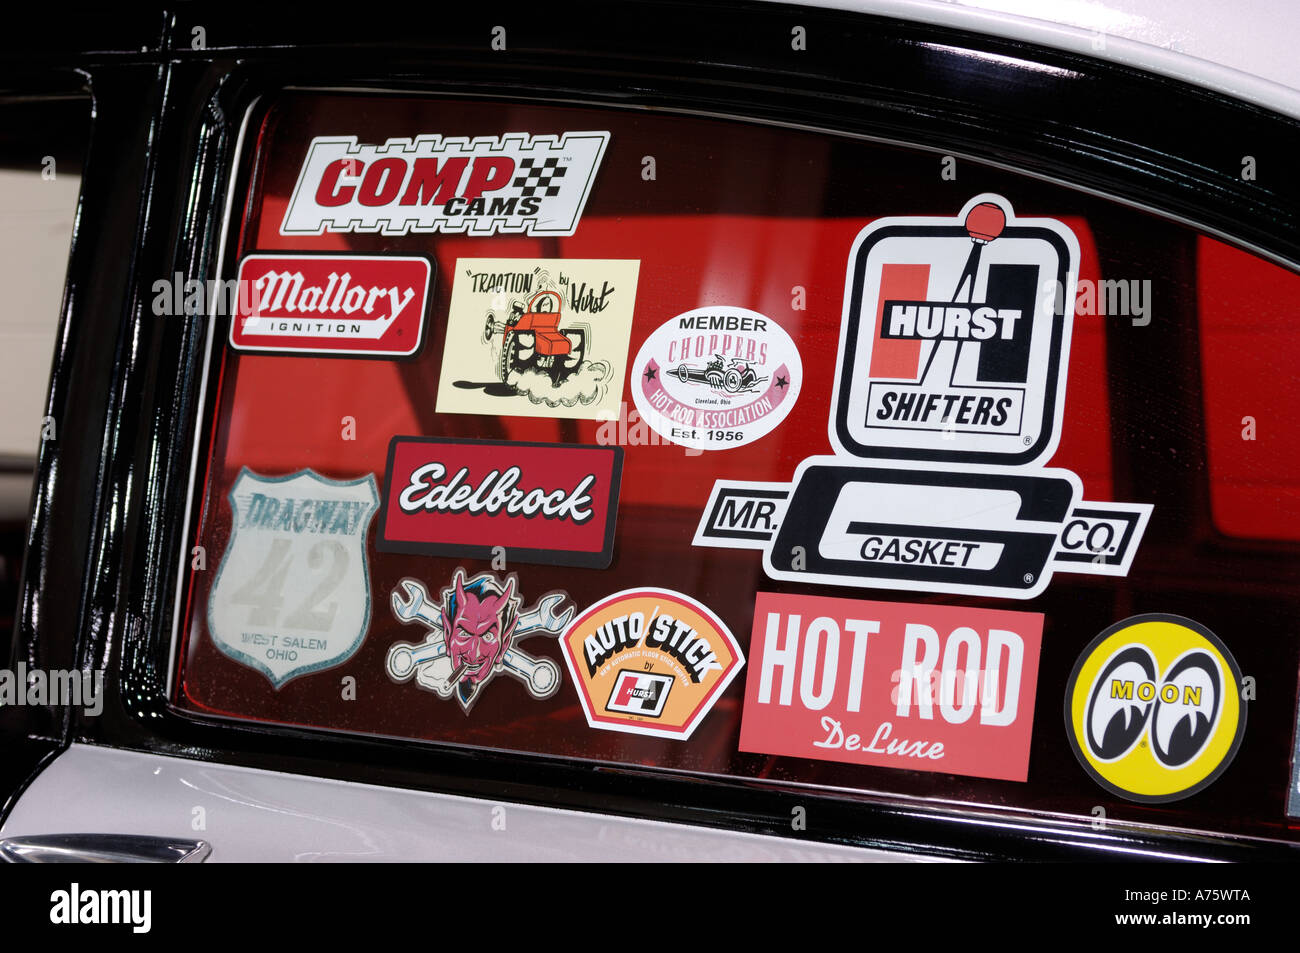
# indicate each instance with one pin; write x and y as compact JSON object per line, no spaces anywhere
{"x":541,"y":676}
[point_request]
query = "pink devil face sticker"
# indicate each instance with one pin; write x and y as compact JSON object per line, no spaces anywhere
{"x":478,"y":620}
{"x":473,"y":634}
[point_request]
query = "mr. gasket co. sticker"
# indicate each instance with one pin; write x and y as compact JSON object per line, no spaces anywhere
{"x":954,"y":350}
{"x":650,"y":662}
{"x":716,"y":378}
{"x":292,"y":594}
{"x":1153,"y":709}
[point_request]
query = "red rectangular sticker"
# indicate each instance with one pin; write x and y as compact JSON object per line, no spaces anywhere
{"x":331,"y":304}
{"x":899,"y":685}
{"x":550,"y":503}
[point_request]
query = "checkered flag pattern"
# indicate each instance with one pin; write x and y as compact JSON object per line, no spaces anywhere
{"x":535,"y":180}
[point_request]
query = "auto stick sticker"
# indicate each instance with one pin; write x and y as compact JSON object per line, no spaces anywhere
{"x":715,"y":378}
{"x":1153,"y":709}
{"x":513,"y":183}
{"x":649,"y":662}
{"x":367,"y":305}
{"x":950,"y":389}
{"x":292,"y":594}
{"x":918,"y":687}
{"x":538,"y":337}
{"x":473,"y":631}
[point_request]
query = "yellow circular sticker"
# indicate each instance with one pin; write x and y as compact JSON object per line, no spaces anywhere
{"x":1153,"y":708}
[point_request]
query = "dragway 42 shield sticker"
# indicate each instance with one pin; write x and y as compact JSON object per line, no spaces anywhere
{"x":716,"y":378}
{"x":292,"y":594}
{"x":473,"y":631}
{"x":1153,"y":708}
{"x":537,"y":185}
{"x":954,"y":350}
{"x":918,"y":687}
{"x":538,"y":337}
{"x":650,"y":662}
{"x":368,"y":305}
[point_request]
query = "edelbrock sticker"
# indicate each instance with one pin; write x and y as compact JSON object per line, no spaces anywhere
{"x":649,"y":662}
{"x":292,"y":594}
{"x":332,"y":304}
{"x":1153,"y":708}
{"x":716,"y":378}
{"x":918,"y":687}
{"x":538,"y":337}
{"x":473,"y":631}
{"x":554,"y":503}
{"x":937,"y":483}
{"x":513,"y":183}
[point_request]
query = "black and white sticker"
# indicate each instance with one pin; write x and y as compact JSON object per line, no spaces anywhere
{"x":949,"y":394}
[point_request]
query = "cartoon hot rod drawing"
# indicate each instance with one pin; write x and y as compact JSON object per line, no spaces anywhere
{"x":730,"y":378}
{"x":532,"y":339}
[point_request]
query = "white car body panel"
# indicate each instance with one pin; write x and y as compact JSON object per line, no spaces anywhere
{"x":268,"y":816}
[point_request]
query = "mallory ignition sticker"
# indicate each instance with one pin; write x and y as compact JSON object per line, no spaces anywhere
{"x":1153,"y":708}
{"x":898,"y":685}
{"x":538,"y":337}
{"x":554,"y":503}
{"x":292,"y":594}
{"x":473,"y":631}
{"x":513,"y":183}
{"x":947,"y":402}
{"x":332,"y":304}
{"x":650,"y":662}
{"x":716,"y":378}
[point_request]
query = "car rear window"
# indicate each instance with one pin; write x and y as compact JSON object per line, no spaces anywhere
{"x":665,"y":441}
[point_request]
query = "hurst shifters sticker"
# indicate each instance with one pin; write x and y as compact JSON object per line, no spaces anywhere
{"x":949,"y":394}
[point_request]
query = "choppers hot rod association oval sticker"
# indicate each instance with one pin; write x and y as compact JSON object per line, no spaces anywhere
{"x":716,"y":378}
{"x":650,"y":662}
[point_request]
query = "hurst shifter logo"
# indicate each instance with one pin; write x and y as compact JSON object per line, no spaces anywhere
{"x":949,"y":351}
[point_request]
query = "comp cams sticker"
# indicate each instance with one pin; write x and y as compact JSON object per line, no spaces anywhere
{"x":472,"y":635}
{"x":918,"y":687}
{"x":650,"y":662}
{"x":332,"y":304}
{"x":538,"y":337}
{"x":536,"y":185}
{"x":1153,"y":708}
{"x":949,"y":397}
{"x":551,"y":503}
{"x":292,"y":594}
{"x":716,"y":378}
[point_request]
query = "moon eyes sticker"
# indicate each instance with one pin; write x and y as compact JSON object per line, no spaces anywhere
{"x":1153,"y":709}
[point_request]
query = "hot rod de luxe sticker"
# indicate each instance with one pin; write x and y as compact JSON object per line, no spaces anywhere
{"x":1153,"y":708}
{"x":919,"y":687}
{"x":292,"y":594}
{"x":332,"y":304}
{"x":553,"y":503}
{"x":536,"y":185}
{"x":649,"y":662}
{"x":954,"y":350}
{"x":538,"y":337}
{"x":716,"y":378}
{"x":473,"y":632}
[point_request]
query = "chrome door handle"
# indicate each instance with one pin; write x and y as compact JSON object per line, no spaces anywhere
{"x":102,"y":849}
